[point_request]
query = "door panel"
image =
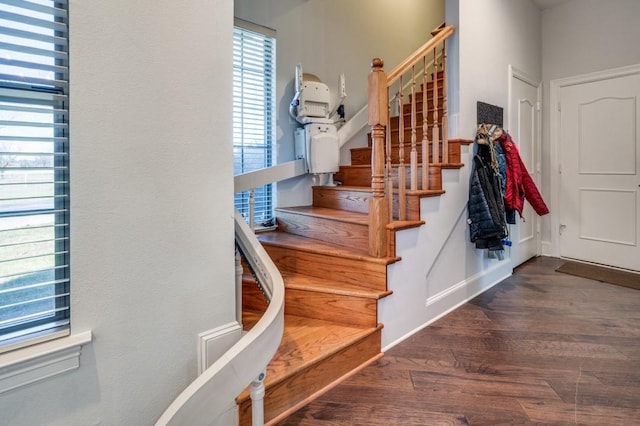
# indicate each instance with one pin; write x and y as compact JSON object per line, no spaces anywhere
{"x":524,"y":123}
{"x":606,"y":138}
{"x":595,"y":220}
{"x":600,"y":173}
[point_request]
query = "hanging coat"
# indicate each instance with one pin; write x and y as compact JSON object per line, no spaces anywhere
{"x":487,"y":224}
{"x":519,"y":185}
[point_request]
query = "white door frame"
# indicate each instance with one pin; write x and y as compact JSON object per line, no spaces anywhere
{"x":515,"y":72}
{"x":554,"y":146}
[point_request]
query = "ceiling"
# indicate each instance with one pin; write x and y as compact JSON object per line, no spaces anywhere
{"x":547,"y":4}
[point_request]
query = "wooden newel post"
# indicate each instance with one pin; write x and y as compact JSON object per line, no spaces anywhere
{"x":378,"y":117}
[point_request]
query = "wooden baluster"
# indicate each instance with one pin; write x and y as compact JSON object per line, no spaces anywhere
{"x":388,"y":181}
{"x":436,"y":129}
{"x":414,"y":149}
{"x":425,"y":126}
{"x":402,"y":172}
{"x":378,"y":113}
{"x":445,"y":116}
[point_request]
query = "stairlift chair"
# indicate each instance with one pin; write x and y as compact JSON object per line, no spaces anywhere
{"x":317,"y":140}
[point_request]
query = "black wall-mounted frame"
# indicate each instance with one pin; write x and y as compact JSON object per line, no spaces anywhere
{"x":490,"y":114}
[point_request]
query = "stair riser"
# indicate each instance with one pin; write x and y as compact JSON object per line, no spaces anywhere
{"x":348,"y":310}
{"x":359,"y":177}
{"x":435,"y":177}
{"x":342,"y":198}
{"x":406,"y":108}
{"x":344,"y":309}
{"x":412,"y":207}
{"x":350,"y":176}
{"x":288,"y":394}
{"x":394,"y":122}
{"x":420,"y":84}
{"x":419,"y":95}
{"x":345,"y":234}
{"x":362,"y":156}
{"x":368,"y":274}
{"x":455,"y":153}
{"x":395,"y":136}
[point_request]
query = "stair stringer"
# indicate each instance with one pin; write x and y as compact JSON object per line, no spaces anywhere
{"x":440,"y":268}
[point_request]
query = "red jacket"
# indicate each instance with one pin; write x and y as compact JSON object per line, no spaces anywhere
{"x":520,"y":185}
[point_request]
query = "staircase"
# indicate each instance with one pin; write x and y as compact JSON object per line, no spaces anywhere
{"x":333,"y":277}
{"x":331,"y":294}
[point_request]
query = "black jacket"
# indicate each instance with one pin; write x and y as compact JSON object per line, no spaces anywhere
{"x":487,"y":223}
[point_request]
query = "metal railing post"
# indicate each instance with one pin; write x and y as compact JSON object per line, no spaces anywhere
{"x":257,"y":400}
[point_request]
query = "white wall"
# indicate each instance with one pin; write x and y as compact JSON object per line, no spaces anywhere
{"x":580,"y":37}
{"x":333,"y":36}
{"x":152,"y":225}
{"x":441,"y":268}
{"x":494,"y":34}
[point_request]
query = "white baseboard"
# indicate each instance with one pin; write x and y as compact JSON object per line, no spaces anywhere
{"x":450,"y":299}
{"x":215,"y":342}
{"x":475,"y":284}
{"x":547,"y":248}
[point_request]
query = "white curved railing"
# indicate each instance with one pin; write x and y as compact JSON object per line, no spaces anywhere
{"x":210,"y":398}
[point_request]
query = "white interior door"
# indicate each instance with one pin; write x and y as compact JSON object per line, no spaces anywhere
{"x":524,"y":127}
{"x":599,"y":194}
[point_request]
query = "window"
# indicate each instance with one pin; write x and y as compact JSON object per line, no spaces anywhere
{"x":34,"y":172}
{"x":253,"y":112}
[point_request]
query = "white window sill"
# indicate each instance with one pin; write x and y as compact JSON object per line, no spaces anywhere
{"x":37,"y":362}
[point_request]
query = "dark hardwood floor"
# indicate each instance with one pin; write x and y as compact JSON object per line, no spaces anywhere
{"x":541,"y":347}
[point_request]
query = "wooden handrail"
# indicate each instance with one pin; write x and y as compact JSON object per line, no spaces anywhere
{"x":416,"y":56}
{"x":211,"y":396}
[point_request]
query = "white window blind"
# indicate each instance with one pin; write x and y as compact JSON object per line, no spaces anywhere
{"x":253,"y":112}
{"x":34,"y":174}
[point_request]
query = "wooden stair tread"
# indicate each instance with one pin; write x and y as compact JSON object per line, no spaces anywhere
{"x":443,"y":165}
{"x":398,"y":225}
{"x":406,"y":164}
{"x":282,"y":239}
{"x":360,"y":148}
{"x":305,"y":342}
{"x":417,"y":192}
{"x":422,"y":192}
{"x":451,"y":165}
{"x":461,"y":141}
{"x":357,"y":166}
{"x":366,"y":189}
{"x":327,"y":213}
{"x":299,"y":281}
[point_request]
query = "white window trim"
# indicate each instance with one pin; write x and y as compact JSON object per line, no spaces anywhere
{"x":35,"y":363}
{"x":264,"y":197}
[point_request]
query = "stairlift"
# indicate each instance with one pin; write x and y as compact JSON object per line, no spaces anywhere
{"x":317,"y":140}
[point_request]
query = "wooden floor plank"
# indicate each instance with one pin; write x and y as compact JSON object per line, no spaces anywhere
{"x":541,"y":347}
{"x":545,"y":412}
